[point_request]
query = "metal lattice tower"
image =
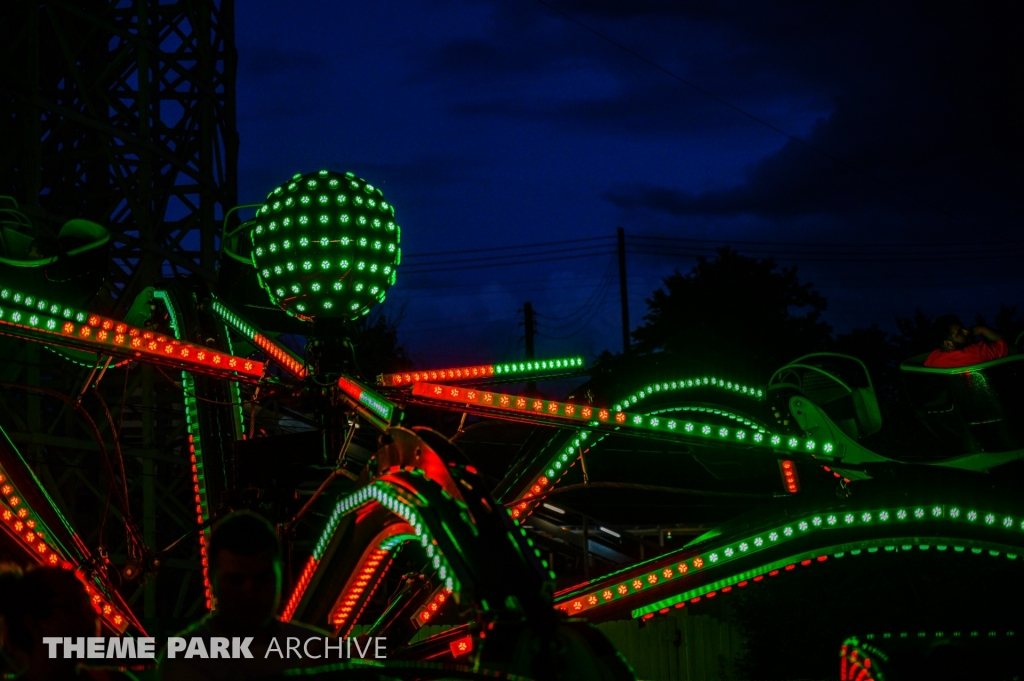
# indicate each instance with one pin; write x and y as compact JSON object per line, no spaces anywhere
{"x":123,"y":113}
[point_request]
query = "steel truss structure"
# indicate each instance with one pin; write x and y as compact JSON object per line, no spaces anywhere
{"x":123,"y":113}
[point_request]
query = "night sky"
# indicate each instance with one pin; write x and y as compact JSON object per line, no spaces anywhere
{"x":877,"y":146}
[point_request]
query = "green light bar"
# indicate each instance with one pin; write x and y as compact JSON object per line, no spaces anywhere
{"x":704,"y":381}
{"x":383,"y":494}
{"x":54,"y":324}
{"x":376,"y":403}
{"x":599,"y":417}
{"x":195,"y":448}
{"x":275,"y":351}
{"x":677,"y":566}
{"x":468,"y":373}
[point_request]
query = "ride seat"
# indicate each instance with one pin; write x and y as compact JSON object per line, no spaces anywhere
{"x":68,"y":269}
{"x":977,"y":408}
{"x":839,"y":384}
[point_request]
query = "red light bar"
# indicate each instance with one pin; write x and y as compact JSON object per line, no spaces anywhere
{"x":111,"y":337}
{"x":25,"y":526}
{"x":377,"y":404}
{"x":462,"y":646}
{"x":509,"y":369}
{"x":609,"y":419}
{"x":275,"y":351}
{"x":426,"y":612}
{"x":460,"y":374}
{"x":790,"y":480}
{"x":517,"y":403}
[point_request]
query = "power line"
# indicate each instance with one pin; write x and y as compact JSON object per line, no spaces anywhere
{"x":654,"y":237}
{"x":595,"y":292}
{"x":583,"y":326}
{"x":761,"y":121}
{"x":504,"y":264}
{"x":510,"y":248}
{"x":856,"y":257}
{"x":596,"y":300}
{"x":491,"y":258}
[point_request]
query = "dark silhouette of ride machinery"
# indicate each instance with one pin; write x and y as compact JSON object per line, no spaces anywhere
{"x":415,"y":493}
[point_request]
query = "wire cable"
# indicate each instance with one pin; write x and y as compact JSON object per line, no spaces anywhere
{"x":431,"y":269}
{"x":491,"y":258}
{"x":586,"y":304}
{"x":510,"y":248}
{"x":596,"y":302}
{"x":877,"y":244}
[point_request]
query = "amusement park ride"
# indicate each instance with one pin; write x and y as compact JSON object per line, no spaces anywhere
{"x":325,"y":248}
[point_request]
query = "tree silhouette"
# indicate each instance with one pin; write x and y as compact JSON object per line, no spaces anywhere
{"x":742,"y":316}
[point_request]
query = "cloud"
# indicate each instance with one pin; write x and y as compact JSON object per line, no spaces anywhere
{"x":925,"y":131}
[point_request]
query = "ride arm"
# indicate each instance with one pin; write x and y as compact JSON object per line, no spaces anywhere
{"x":815,"y":423}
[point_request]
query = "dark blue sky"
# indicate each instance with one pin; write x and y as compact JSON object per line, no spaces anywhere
{"x":494,"y":124}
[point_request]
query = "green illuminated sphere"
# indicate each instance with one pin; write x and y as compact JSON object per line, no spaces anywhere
{"x":326,"y":245}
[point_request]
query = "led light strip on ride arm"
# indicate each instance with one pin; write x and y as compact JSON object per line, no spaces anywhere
{"x":690,"y":573}
{"x":598,"y":419}
{"x":23,"y":524}
{"x":195,"y":449}
{"x":371,"y":405}
{"x":30,"y":318}
{"x":278,"y":353}
{"x":484,"y":371}
{"x":383,"y":494}
{"x":526,"y":488}
{"x":425,"y":495}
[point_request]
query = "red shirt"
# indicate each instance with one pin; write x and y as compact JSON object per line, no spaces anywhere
{"x":977,"y":353}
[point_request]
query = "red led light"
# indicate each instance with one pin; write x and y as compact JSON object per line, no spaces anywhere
{"x":462,"y":646}
{"x":790,"y":480}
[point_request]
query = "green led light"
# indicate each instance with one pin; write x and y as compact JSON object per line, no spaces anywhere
{"x":364,"y":206}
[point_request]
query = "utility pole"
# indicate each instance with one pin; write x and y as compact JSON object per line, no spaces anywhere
{"x":529,"y":329}
{"x":623,"y":293}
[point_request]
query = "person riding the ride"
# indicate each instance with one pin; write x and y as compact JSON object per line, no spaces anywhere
{"x":955,"y":349}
